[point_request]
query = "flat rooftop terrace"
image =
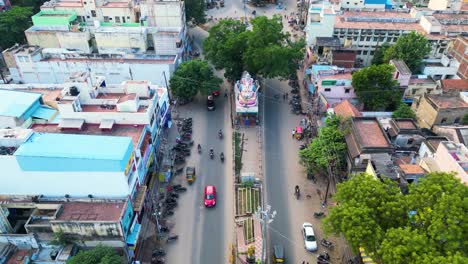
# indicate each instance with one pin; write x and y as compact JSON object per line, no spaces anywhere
{"x":132,"y":131}
{"x":81,"y":211}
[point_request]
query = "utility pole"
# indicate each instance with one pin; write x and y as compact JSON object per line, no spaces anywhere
{"x":265,"y":217}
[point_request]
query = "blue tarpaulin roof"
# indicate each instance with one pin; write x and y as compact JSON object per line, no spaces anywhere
{"x":44,"y":112}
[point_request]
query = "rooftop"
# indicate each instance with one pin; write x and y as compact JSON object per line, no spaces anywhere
{"x":339,"y":76}
{"x":433,"y":142}
{"x":412,"y":169}
{"x":401,"y":66}
{"x":448,"y":84}
{"x":15,"y":104}
{"x":75,"y":146}
{"x":132,"y":131}
{"x":416,"y":80}
{"x":377,"y":20}
{"x":404,"y":123}
{"x":447,"y":102}
{"x":346,"y":109}
{"x":370,"y":133}
{"x":82,"y":211}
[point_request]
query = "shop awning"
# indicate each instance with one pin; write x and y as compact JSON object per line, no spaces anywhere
{"x":139,"y":199}
{"x":107,"y":124}
{"x":71,"y":123}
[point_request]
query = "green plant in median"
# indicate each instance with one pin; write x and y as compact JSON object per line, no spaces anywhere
{"x":404,"y":111}
{"x":237,"y":153}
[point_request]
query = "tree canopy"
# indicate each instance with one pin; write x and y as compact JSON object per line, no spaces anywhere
{"x":329,"y":145}
{"x":411,"y":48}
{"x":192,"y":77}
{"x":195,"y":9}
{"x":379,"y":54}
{"x":97,"y":255}
{"x":265,"y":50}
{"x":376,"y":88}
{"x":465,"y":119}
{"x":404,"y":111}
{"x":13,"y":24}
{"x":428,"y":225}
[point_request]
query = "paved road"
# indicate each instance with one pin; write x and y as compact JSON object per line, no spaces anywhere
{"x":205,"y":234}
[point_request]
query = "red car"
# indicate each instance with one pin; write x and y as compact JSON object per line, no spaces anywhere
{"x":210,"y":196}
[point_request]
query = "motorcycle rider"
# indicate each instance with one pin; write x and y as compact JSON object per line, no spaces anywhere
{"x":297,"y":191}
{"x":222,"y":157}
{"x":199,"y":148}
{"x":220,"y":133}
{"x":211,"y":153}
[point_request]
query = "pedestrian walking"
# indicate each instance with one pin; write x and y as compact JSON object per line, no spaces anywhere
{"x":293,"y":133}
{"x":284,"y":97}
{"x":287,"y":95}
{"x":303,"y":262}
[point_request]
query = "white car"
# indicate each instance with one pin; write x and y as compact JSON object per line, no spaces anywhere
{"x":310,"y":242}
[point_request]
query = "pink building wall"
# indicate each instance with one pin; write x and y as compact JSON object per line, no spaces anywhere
{"x":336,"y":88}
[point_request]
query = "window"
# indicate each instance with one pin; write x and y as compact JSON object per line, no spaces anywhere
{"x":372,"y":52}
{"x":110,"y":18}
{"x":368,"y":38}
{"x":347,"y":90}
{"x":457,"y":120}
{"x":362,"y":39}
{"x":444,"y":120}
{"x":93,"y":13}
{"x":364,"y":52}
{"x":123,"y":20}
{"x":106,"y":19}
{"x":128,"y":17}
{"x":88,"y":17}
{"x":327,"y":89}
{"x":117,"y":19}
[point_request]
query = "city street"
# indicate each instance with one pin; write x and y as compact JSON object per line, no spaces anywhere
{"x":205,"y":233}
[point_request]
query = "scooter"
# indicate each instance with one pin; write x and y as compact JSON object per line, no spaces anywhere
{"x":172,"y":238}
{"x":319,"y":214}
{"x":327,"y":244}
{"x":220,"y":134}
{"x":211,"y":154}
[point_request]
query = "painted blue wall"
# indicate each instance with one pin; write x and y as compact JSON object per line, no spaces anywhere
{"x":127,"y":219}
{"x":374,"y":2}
{"x":31,"y":110}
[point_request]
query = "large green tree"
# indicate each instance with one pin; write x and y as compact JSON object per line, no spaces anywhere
{"x":380,"y":53}
{"x":404,"y":111}
{"x":428,"y":225}
{"x":192,"y":77}
{"x":35,"y":4}
{"x":195,"y":9}
{"x":225,"y":47}
{"x":411,"y":48}
{"x":375,"y":87}
{"x":13,"y":24}
{"x":264,"y":50}
{"x":328,"y":146}
{"x":97,"y":255}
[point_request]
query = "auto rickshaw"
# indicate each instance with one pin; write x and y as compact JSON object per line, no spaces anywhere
{"x":190,"y":174}
{"x":278,"y":254}
{"x":298,"y":134}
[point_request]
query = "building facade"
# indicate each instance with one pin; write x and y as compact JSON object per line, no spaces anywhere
{"x":453,"y":157}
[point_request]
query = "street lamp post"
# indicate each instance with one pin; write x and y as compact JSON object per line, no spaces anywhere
{"x":265,"y":217}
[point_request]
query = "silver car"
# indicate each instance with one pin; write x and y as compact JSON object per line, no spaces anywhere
{"x":310,"y":242}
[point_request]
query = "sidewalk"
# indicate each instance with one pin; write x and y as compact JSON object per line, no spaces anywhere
{"x":252,"y":152}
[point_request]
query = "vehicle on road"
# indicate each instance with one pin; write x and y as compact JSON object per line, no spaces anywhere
{"x":310,"y":242}
{"x":216,"y":93}
{"x":210,"y":103}
{"x":278,"y":254}
{"x":298,"y":134}
{"x":210,"y":196}
{"x":190,"y":174}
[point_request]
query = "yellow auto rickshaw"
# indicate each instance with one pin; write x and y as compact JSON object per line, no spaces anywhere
{"x":190,"y":174}
{"x":278,"y":254}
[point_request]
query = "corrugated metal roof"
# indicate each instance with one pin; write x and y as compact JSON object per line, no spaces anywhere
{"x":15,"y":104}
{"x":75,"y":146}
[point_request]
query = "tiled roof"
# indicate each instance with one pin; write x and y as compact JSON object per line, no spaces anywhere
{"x":370,"y":134}
{"x":412,"y":169}
{"x":346,"y":109}
{"x":444,"y":102}
{"x":461,"y":85}
{"x":81,"y":211}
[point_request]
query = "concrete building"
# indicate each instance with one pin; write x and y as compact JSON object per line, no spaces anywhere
{"x":5,"y":5}
{"x":440,"y":109}
{"x":418,"y":86}
{"x":346,"y":110}
{"x":332,"y":84}
{"x":404,"y":134}
{"x":429,"y":146}
{"x":32,"y":64}
{"x":453,"y":157}
{"x":365,"y":31}
{"x":412,"y":172}
{"x":19,"y":109}
{"x":445,"y":67}
{"x":366,"y":141}
{"x":125,"y":40}
{"x":457,"y":49}
{"x":453,"y":87}
{"x":402,"y":73}
{"x":456,"y":133}
{"x":366,"y":4}
{"x":453,"y":5}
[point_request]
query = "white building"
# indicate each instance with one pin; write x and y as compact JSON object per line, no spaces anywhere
{"x":125,"y":40}
{"x":364,"y":31}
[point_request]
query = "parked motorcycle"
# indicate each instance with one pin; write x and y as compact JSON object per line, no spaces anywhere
{"x":172,"y":238}
{"x":324,"y":257}
{"x":211,"y":153}
{"x":221,"y":157}
{"x":319,"y":214}
{"x":327,"y":244}
{"x":220,"y":134}
{"x":159,"y":252}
